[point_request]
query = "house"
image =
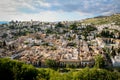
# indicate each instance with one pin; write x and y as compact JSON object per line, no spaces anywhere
{"x":87,"y":62}
{"x":64,"y":63}
{"x":116,"y":61}
{"x":100,"y":42}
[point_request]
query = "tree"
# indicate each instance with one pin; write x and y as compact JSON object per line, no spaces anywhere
{"x":51,"y":63}
{"x":73,"y":26}
{"x":99,"y":61}
{"x":4,"y":43}
{"x":60,"y":25}
{"x":15,"y":70}
{"x":4,"y":35}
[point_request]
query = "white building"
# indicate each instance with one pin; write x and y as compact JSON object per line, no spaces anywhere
{"x":116,"y":61}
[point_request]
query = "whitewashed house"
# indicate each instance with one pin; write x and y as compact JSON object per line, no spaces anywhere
{"x":116,"y":61}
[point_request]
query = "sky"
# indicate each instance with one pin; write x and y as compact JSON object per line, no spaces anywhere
{"x":56,"y":10}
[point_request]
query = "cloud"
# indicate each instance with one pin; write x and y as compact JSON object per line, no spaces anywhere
{"x":47,"y":16}
{"x":43,"y":4}
{"x":89,"y":6}
{"x":56,"y":9}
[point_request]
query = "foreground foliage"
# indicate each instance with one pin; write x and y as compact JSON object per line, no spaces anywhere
{"x":14,"y":70}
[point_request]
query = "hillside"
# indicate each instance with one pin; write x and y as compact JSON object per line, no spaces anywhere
{"x":115,"y":18}
{"x":33,"y":41}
